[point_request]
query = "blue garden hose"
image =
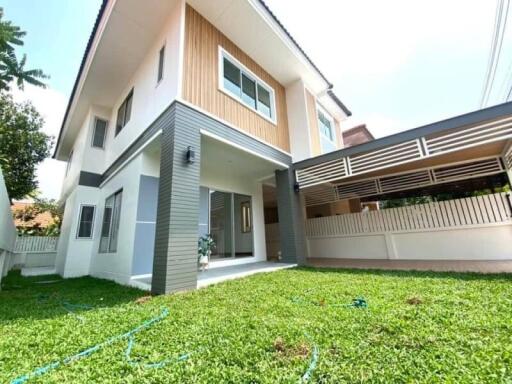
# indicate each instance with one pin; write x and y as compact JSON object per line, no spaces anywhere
{"x":160,"y":364}
{"x":358,"y":302}
{"x":312,"y":365}
{"x":89,"y":351}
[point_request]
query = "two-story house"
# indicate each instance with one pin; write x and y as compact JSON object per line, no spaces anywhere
{"x":183,"y":113}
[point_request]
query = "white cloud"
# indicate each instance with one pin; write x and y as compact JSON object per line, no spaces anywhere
{"x":51,"y":104}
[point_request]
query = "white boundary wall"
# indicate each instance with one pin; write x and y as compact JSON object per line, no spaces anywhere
{"x":476,"y":228}
{"x":7,"y":230}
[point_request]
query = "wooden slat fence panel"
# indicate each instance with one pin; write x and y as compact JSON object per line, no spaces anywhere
{"x":486,"y":209}
{"x":33,"y":244}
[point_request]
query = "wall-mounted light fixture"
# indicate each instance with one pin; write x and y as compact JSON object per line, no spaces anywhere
{"x":190,"y":155}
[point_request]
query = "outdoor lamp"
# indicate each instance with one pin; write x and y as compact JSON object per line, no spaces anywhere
{"x":190,"y":155}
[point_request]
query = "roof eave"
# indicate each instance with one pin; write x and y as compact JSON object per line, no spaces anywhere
{"x":92,"y":36}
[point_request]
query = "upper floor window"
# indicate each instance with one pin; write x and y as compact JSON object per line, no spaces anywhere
{"x":242,"y":84}
{"x":99,"y":133}
{"x":326,"y":128}
{"x":161,"y":55}
{"x":124,"y":112}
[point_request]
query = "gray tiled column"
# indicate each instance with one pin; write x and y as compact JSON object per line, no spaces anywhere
{"x":175,"y":257}
{"x":291,"y":219}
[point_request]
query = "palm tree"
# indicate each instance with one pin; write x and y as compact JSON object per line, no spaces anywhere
{"x":10,"y":69}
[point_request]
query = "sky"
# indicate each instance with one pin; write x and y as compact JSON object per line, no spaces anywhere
{"x":396,"y":64}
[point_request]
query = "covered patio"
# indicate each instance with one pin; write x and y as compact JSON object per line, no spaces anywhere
{"x":220,"y":274}
{"x":461,"y":166}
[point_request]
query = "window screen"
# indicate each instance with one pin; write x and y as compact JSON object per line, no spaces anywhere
{"x":111,"y":221}
{"x":231,"y":77}
{"x":124,"y":112}
{"x":85,"y":222}
{"x":161,"y":56}
{"x":100,"y":130}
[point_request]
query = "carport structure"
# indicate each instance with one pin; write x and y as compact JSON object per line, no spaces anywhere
{"x":473,"y":149}
{"x":461,"y":154}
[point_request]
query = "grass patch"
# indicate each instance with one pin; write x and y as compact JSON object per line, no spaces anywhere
{"x":419,"y":327}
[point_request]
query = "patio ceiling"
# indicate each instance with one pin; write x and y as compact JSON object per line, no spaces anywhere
{"x":465,"y":147}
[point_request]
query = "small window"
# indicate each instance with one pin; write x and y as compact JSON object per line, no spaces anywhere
{"x":85,"y":222}
{"x":99,"y":133}
{"x":242,"y":84}
{"x":124,"y":112}
{"x":246,"y":216}
{"x":111,"y":221}
{"x":161,"y":56}
{"x":70,"y":160}
{"x":326,"y":128}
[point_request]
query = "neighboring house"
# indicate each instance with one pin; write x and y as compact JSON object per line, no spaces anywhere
{"x":356,"y":135}
{"x":26,"y":220}
{"x":191,"y":117}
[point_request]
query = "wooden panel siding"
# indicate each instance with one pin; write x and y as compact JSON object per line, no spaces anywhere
{"x":314,"y":133}
{"x":200,"y":82}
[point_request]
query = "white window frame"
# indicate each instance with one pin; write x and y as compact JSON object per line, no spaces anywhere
{"x":334,"y":140}
{"x":96,"y":118}
{"x":80,"y":220}
{"x":225,"y":54}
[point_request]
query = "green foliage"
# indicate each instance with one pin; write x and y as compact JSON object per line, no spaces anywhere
{"x":394,"y":203}
{"x":22,"y":145}
{"x":407,"y":201}
{"x":12,"y":69}
{"x":420,"y":327}
{"x":30,"y":212}
{"x":205,"y":245}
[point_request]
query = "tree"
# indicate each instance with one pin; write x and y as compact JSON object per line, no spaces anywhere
{"x":22,"y":145}
{"x":10,"y":68}
{"x":30,"y":212}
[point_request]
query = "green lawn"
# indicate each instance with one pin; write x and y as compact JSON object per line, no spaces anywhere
{"x":419,"y":327}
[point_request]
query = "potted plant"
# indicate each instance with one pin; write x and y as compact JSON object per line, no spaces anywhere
{"x":205,"y":246}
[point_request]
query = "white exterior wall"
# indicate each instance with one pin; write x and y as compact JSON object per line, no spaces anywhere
{"x":118,"y":265}
{"x":298,"y":122}
{"x":73,"y":254}
{"x":150,"y":98}
{"x":482,"y":242}
{"x":7,"y":228}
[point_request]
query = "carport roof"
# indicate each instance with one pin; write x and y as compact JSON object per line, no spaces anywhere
{"x":474,"y":145}
{"x":482,"y":115}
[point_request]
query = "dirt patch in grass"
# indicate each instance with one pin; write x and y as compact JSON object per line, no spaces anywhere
{"x":414,"y":301}
{"x":301,"y":350}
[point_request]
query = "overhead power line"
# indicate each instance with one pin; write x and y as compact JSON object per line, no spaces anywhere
{"x":500,"y":25}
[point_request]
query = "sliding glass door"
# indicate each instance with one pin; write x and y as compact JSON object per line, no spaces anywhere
{"x":230,"y":219}
{"x":220,"y":224}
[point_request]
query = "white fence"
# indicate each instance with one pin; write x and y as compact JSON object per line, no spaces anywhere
{"x":493,"y":208}
{"x":36,"y":244}
{"x":7,"y":229}
{"x":475,"y":228}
